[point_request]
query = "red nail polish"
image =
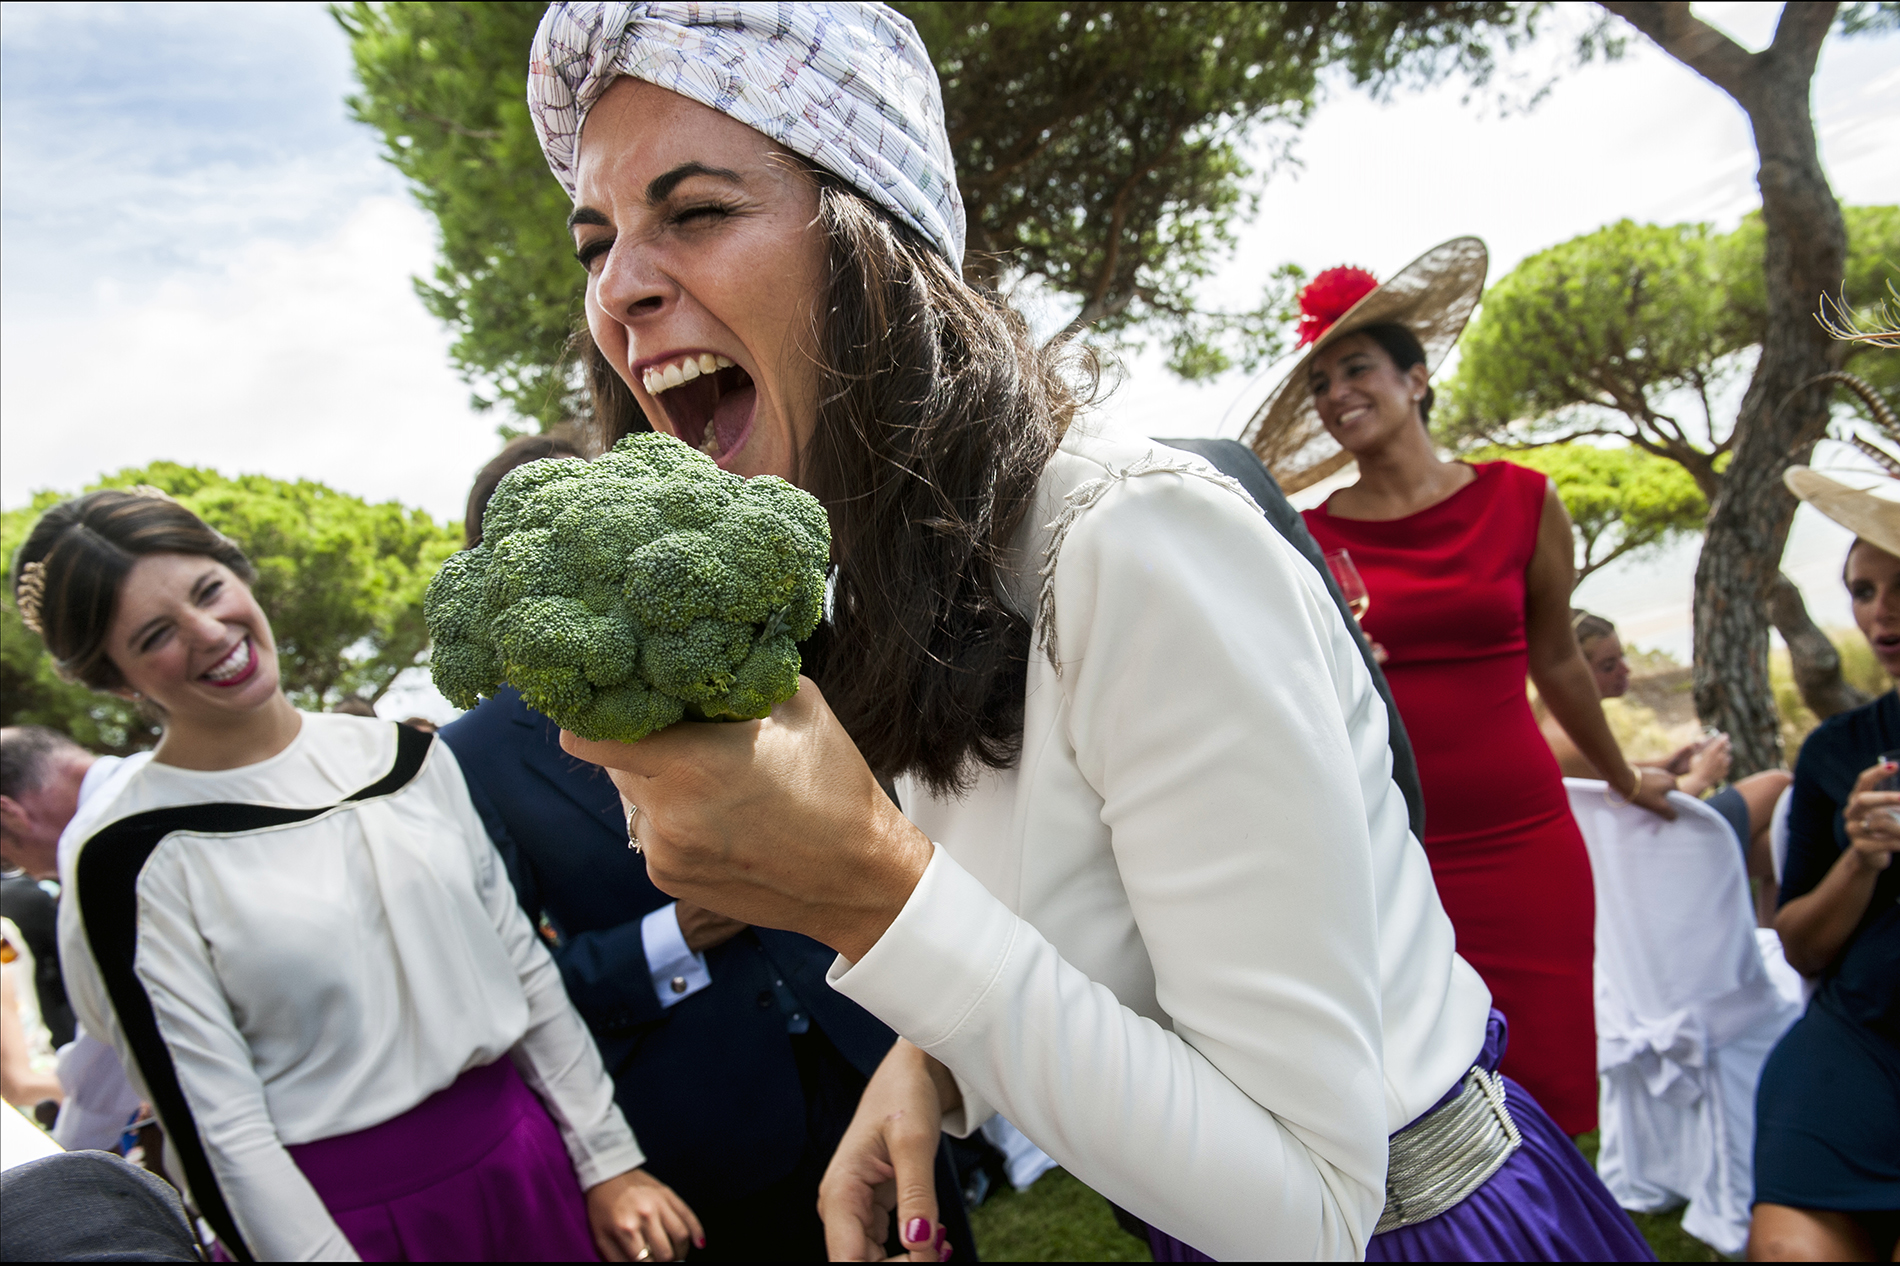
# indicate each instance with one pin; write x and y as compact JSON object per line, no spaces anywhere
{"x":943,"y":1254}
{"x":700,"y":1242}
{"x":941,"y":1232}
{"x":916,"y":1231}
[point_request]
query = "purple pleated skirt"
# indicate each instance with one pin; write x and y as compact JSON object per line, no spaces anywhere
{"x":1545,"y":1204}
{"x":473,"y":1173}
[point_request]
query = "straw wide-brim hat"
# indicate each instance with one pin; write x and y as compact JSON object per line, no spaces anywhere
{"x":1871,"y":511}
{"x":1433,"y":297}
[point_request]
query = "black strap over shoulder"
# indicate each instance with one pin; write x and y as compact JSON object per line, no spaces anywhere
{"x":1237,"y":462}
{"x":107,"y":891}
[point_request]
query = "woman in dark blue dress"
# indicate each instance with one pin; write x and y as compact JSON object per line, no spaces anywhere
{"x":1827,"y":1142}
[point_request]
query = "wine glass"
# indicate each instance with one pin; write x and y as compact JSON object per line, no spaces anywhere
{"x":1351,"y":584}
{"x":1890,"y":783}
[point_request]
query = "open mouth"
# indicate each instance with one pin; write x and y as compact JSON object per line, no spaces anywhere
{"x":709,"y":401}
{"x":235,"y":668}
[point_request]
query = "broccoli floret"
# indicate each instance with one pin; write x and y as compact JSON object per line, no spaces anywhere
{"x":624,"y":594}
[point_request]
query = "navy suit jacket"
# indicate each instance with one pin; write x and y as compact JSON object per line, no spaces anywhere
{"x":710,"y":1085}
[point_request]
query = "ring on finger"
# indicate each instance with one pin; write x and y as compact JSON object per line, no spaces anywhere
{"x":644,"y":1255}
{"x":633,"y":842}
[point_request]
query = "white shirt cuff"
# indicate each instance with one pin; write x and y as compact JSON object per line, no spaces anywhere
{"x":677,"y":972}
{"x":933,"y":967}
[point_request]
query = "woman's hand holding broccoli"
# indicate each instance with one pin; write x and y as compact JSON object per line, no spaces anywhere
{"x":777,"y":822}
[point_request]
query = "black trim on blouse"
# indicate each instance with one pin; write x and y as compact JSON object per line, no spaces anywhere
{"x":108,"y":870}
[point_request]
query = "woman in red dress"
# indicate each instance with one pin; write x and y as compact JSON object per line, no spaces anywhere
{"x":1469,"y":571}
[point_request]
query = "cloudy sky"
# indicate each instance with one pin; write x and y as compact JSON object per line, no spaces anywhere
{"x":203,"y":259}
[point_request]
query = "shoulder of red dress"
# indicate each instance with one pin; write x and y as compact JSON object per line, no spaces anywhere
{"x":1524,"y":475}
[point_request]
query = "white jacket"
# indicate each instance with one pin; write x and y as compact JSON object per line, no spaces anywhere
{"x":1188,"y":944}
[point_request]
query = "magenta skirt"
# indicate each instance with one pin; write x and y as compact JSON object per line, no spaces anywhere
{"x":473,"y":1173}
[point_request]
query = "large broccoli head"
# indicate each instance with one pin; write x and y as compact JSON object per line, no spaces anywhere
{"x":624,"y":594}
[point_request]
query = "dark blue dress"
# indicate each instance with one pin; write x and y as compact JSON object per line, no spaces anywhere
{"x":1828,"y":1109}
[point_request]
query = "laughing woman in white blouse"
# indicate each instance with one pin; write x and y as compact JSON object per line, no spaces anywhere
{"x":1153,"y":894}
{"x":295,"y":933}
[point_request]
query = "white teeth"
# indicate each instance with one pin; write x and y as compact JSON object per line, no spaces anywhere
{"x":710,"y":445}
{"x":666,"y":377}
{"x":231,"y":665}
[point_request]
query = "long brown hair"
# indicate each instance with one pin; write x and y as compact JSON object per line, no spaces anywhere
{"x":84,"y":548}
{"x":937,"y":412}
{"x":557,"y":441}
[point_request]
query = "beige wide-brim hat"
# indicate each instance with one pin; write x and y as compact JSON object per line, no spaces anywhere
{"x":1871,"y":511}
{"x":1433,"y":297}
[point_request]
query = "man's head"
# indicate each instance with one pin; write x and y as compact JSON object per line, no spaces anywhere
{"x":40,"y":773}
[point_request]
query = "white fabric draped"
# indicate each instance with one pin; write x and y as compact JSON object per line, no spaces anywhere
{"x":1686,"y":1011}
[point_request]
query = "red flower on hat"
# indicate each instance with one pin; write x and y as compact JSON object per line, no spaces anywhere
{"x":1330,"y":296}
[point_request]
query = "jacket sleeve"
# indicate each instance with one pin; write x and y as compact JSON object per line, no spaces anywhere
{"x":1199,"y":690}
{"x":606,"y":971}
{"x":276,"y":1209}
{"x":557,"y":1056}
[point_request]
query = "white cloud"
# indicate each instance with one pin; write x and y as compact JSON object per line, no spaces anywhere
{"x":313,"y":361}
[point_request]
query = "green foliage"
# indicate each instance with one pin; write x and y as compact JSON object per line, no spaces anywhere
{"x":1859,"y":669}
{"x":1579,"y":337}
{"x":624,"y":594}
{"x":1058,"y":1219}
{"x":446,"y":84}
{"x":31,"y":692}
{"x":1098,"y":147}
{"x":1873,"y":263}
{"x":1869,"y":17}
{"x":1873,"y":274}
{"x":1623,"y":502}
{"x":341,"y":581}
{"x":1597,"y":336}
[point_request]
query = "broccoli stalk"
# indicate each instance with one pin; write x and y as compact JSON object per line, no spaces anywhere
{"x":627,"y":593}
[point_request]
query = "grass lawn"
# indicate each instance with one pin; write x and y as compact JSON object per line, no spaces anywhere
{"x":1056,"y":1220}
{"x":1060,"y":1220}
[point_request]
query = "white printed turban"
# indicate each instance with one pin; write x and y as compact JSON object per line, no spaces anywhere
{"x":848,"y":86}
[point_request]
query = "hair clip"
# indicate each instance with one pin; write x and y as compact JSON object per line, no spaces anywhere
{"x":30,"y":593}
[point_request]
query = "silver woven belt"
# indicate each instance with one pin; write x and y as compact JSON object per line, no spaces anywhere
{"x":1441,"y":1159}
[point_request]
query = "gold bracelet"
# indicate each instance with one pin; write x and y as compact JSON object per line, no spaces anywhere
{"x":1634,"y":788}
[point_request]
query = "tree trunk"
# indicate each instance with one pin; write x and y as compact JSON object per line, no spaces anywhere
{"x":1783,"y":413}
{"x":1816,"y":663}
